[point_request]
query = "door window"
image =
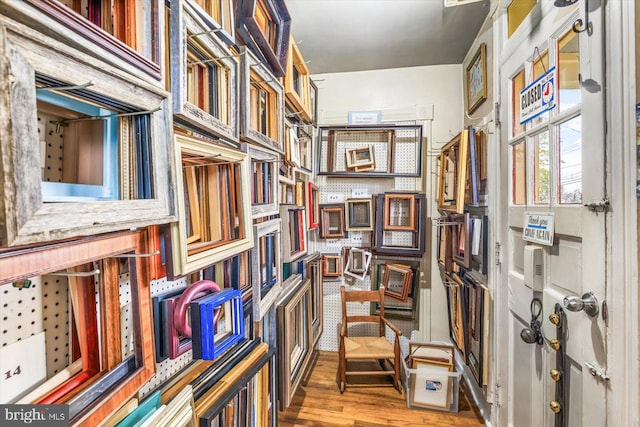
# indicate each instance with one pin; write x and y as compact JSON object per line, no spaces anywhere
{"x":548,"y":149}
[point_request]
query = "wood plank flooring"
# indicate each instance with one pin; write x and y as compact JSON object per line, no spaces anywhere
{"x":318,"y":402}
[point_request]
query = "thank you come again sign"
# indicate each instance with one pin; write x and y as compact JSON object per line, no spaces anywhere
{"x":538,"y":97}
{"x":539,"y":228}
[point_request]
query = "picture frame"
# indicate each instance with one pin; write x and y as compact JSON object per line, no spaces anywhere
{"x":429,"y":389}
{"x":332,"y":265}
{"x":97,"y":399}
{"x":294,"y":232}
{"x":476,"y":79}
{"x":358,"y":262}
{"x":445,"y":243}
{"x":397,"y":280}
{"x":219,"y":15}
{"x":228,"y":228}
{"x":217,"y":323}
{"x":478,"y":308}
{"x":314,"y":274}
{"x":461,"y":233}
{"x":161,"y":323}
{"x":357,"y":158}
{"x":313,"y":102}
{"x":294,"y":336}
{"x":253,"y":19}
{"x":262,"y":100}
{"x":393,"y":308}
{"x":140,"y":53}
{"x":437,"y":353}
{"x":359,"y":214}
{"x":399,"y":211}
{"x":332,"y":221}
{"x":401,"y":243}
{"x":41,"y":68}
{"x":389,"y":143}
{"x":472,"y":184}
{"x":297,"y":84}
{"x":204,"y":74}
{"x":265,"y":261}
{"x":452,"y":177}
{"x":457,"y":315}
{"x":313,"y":205}
{"x":264,"y":180}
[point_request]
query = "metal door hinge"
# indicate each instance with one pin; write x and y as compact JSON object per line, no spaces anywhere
{"x":599,"y":206}
{"x":497,"y":114}
{"x":497,"y":253}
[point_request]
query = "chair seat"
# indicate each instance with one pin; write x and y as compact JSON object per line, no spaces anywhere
{"x":368,"y":348}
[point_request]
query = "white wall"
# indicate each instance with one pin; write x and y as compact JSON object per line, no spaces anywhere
{"x":433,"y":96}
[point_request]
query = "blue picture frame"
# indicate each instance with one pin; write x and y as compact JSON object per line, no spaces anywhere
{"x":206,"y":345}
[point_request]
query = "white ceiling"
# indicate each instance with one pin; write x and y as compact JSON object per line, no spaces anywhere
{"x":355,"y":35}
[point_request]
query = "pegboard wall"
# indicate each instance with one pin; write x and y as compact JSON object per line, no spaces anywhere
{"x":44,"y":307}
{"x":337,"y":190}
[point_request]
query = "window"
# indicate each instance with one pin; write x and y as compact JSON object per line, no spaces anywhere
{"x":546,"y":153}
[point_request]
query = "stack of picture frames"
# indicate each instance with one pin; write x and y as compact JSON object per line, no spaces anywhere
{"x":357,"y":262}
{"x":430,"y":382}
{"x":107,"y":354}
{"x":462,"y":244}
{"x":400,"y":224}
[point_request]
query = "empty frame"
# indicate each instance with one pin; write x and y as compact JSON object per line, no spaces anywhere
{"x":359,"y":214}
{"x":452,"y":174}
{"x":332,"y":221}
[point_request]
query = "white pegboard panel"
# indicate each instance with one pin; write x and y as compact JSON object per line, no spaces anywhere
{"x":168,"y":367}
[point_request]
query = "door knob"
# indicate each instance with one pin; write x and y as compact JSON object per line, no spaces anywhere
{"x":588,"y":303}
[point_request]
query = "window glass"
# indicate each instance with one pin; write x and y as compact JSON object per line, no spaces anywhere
{"x":569,"y":70}
{"x":541,"y":183}
{"x":570,"y":161}
{"x":519,"y":174}
{"x":540,"y":68}
{"x":517,"y":84}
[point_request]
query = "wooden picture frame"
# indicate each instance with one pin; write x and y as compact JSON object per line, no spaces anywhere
{"x":429,"y":389}
{"x":314,"y":274}
{"x":358,"y":158}
{"x":265,"y":28}
{"x":437,"y":353}
{"x":358,"y":263}
{"x":264,"y":180}
{"x":397,"y":281}
{"x":359,"y":214}
{"x":457,"y":315}
{"x":261,"y":104}
{"x":476,"y":79}
{"x":157,"y":258}
{"x":313,"y":205}
{"x":445,"y":243}
{"x":30,"y":220}
{"x":294,"y":232}
{"x":472,"y":184}
{"x":332,"y":221}
{"x":265,"y":259}
{"x":397,"y":149}
{"x":401,"y":243}
{"x":304,"y":152}
{"x":219,"y":15}
{"x":332,"y":265}
{"x":204,"y":74}
{"x":130,"y":374}
{"x":394,"y":308}
{"x":452,"y":177}
{"x":313,"y":102}
{"x":294,"y":336}
{"x":399,"y":211}
{"x":218,"y":240}
{"x":126,"y":36}
{"x":217,"y":323}
{"x":296,"y":84}
{"x":461,"y":237}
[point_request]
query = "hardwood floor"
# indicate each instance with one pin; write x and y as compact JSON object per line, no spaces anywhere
{"x":318,"y":402}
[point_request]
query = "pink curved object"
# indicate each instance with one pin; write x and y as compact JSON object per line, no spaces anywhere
{"x":180,"y":310}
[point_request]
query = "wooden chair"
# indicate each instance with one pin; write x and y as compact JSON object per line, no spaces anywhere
{"x":356,"y":349}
